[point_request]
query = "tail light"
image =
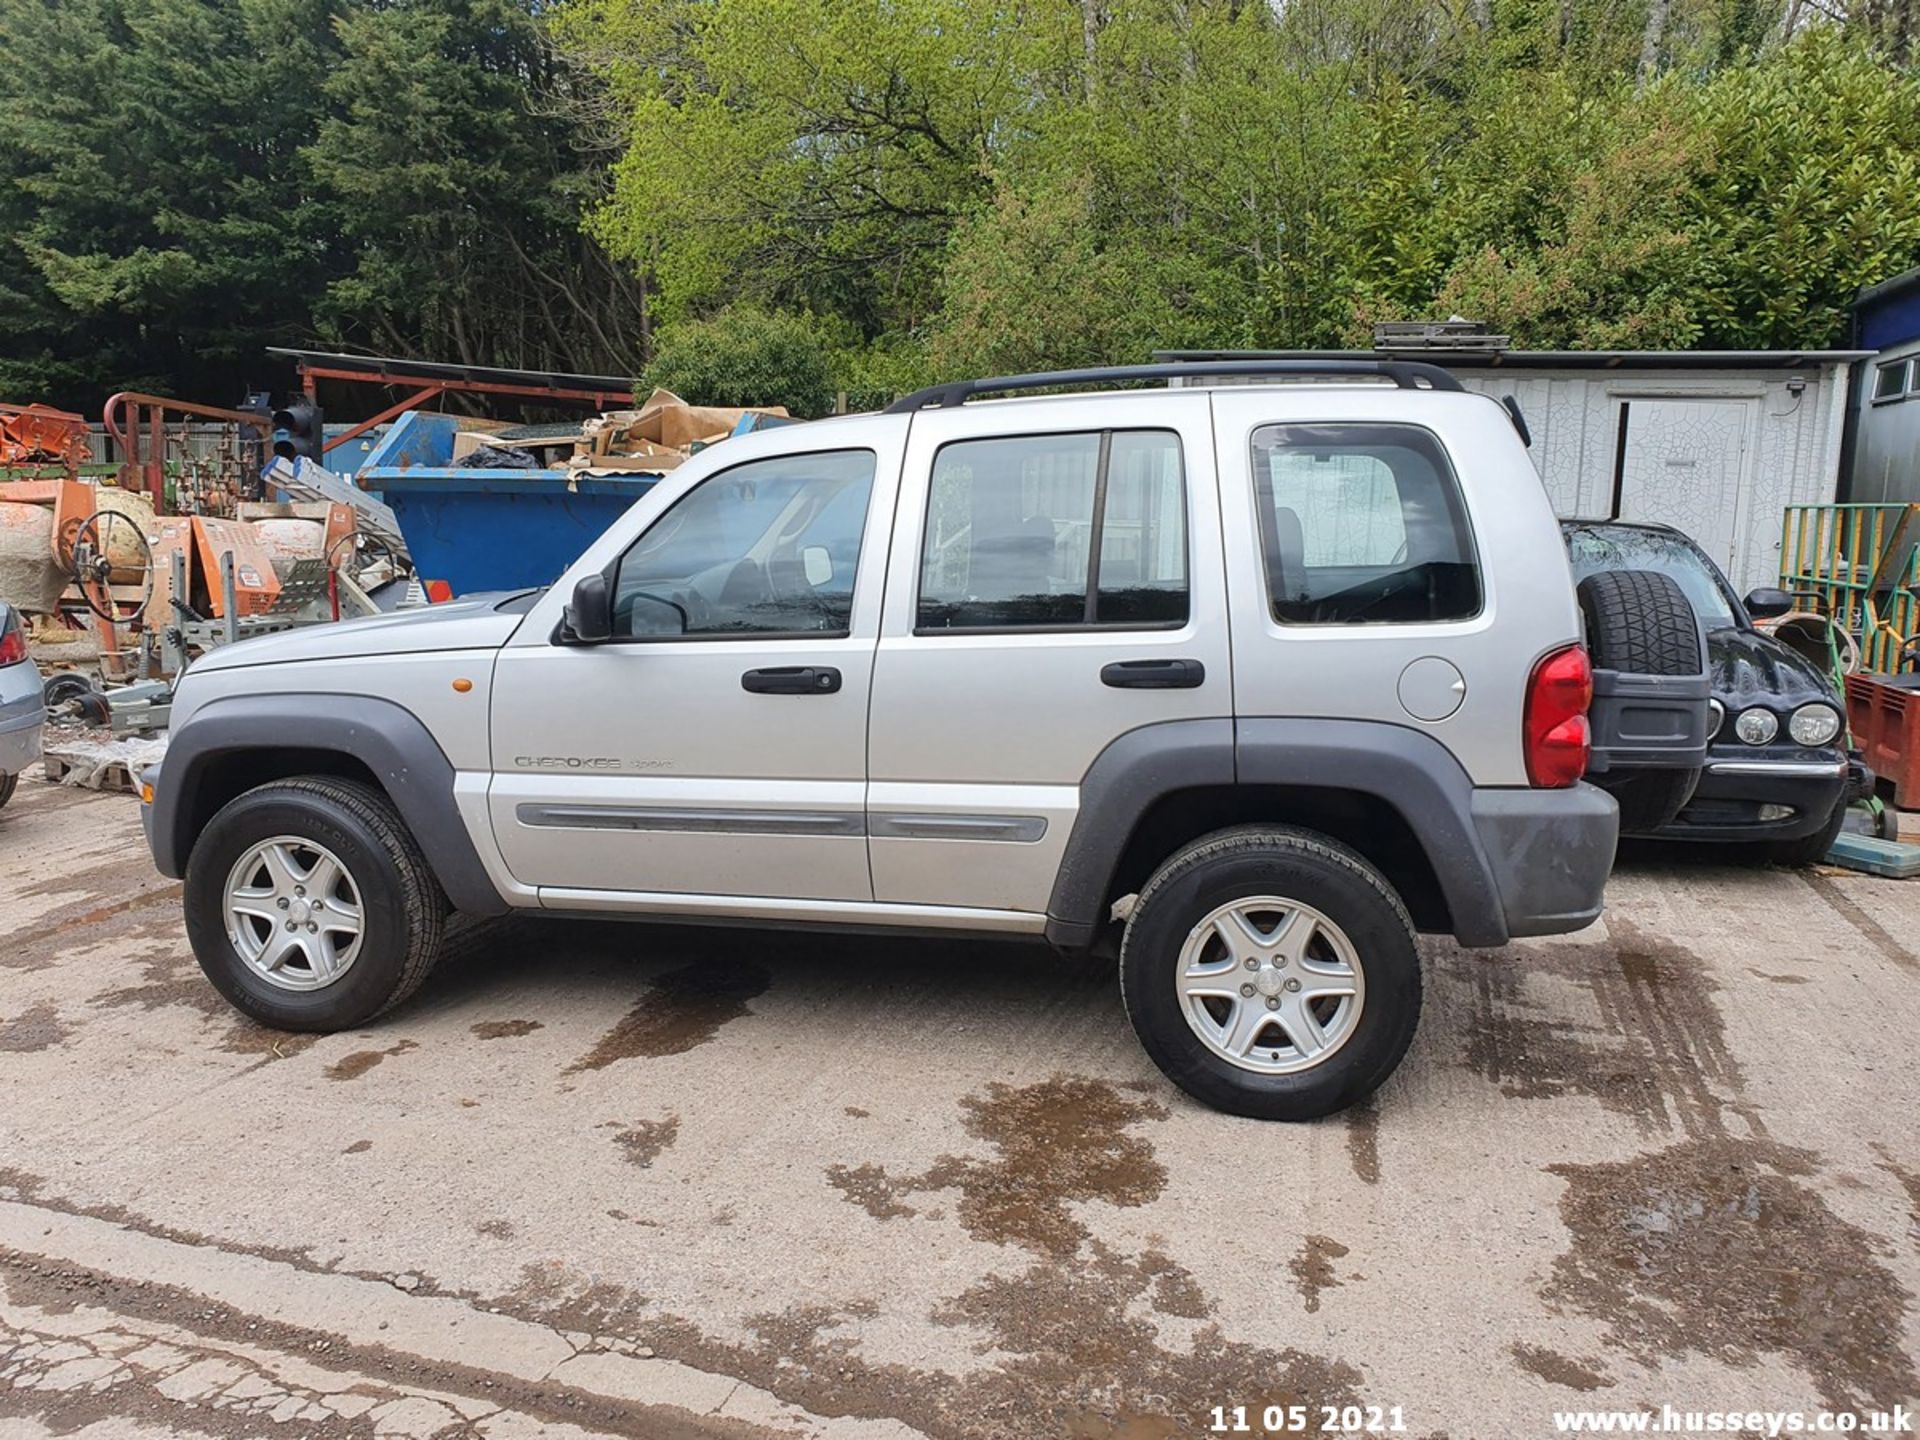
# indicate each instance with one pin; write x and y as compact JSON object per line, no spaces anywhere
{"x":1558,"y":741}
{"x":13,"y":641}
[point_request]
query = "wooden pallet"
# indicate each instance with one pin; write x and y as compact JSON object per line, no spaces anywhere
{"x":113,"y":775}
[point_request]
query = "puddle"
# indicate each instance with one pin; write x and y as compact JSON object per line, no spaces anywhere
{"x":353,"y":1066}
{"x":869,"y":1187}
{"x":1718,"y":1246}
{"x":645,"y":1141}
{"x":1084,"y":1341}
{"x":34,"y":1029}
{"x":1869,"y":929}
{"x":1312,"y":1268}
{"x":1061,"y":1140}
{"x":41,"y":947}
{"x":1558,"y":1369}
{"x":1363,"y":1140}
{"x":1909,"y":1181}
{"x":1657,"y":1053}
{"x":176,"y":980}
{"x":1076,"y":1350}
{"x":505,"y":1029}
{"x":682,"y":1009}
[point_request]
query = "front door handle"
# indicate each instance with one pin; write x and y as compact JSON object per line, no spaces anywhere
{"x":792,"y":680}
{"x":1153,"y":674}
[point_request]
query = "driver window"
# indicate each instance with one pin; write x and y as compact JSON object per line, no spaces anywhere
{"x":1362,"y":524}
{"x":768,"y":548}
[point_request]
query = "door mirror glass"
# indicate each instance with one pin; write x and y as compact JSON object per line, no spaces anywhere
{"x":817,"y":563}
{"x":590,"y":612}
{"x":1767,"y":602}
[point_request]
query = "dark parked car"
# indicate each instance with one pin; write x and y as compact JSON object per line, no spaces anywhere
{"x":1778,"y":777}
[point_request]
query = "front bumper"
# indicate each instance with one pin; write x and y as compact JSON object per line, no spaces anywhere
{"x":1549,"y":853}
{"x":1750,"y":792}
{"x":149,"y":784}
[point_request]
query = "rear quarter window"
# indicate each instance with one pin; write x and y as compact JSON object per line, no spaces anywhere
{"x":1362,"y":524}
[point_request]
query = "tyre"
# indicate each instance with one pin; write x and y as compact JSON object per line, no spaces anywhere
{"x":1649,"y":799}
{"x":1640,"y":622}
{"x":310,"y":907}
{"x":8,"y":784}
{"x":1271,"y":973}
{"x":67,"y":685}
{"x":1809,"y":849}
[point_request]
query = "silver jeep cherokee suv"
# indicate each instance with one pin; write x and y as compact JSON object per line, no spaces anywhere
{"x":1254,"y":679}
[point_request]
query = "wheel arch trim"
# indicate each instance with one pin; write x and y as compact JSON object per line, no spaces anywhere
{"x":1411,"y":772}
{"x":391,"y":741}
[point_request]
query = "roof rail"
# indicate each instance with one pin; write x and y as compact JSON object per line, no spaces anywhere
{"x":1407,"y":374}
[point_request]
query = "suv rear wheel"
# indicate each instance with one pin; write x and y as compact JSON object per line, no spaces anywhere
{"x":1271,"y":973}
{"x":310,"y":906}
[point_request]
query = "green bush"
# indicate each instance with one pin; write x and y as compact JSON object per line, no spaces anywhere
{"x":747,"y":356}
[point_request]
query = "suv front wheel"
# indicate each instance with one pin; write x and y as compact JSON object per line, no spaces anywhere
{"x":1271,"y":973}
{"x":309,"y":905}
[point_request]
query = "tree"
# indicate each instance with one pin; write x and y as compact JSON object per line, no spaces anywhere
{"x":807,"y":153}
{"x":749,"y":357}
{"x":1030,"y":286}
{"x":155,"y":229}
{"x":455,"y":182}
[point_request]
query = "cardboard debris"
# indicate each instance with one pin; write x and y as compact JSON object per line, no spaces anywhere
{"x":473,"y":434}
{"x":661,"y":434}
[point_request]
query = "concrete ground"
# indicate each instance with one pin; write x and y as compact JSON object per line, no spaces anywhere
{"x":613,"y":1180}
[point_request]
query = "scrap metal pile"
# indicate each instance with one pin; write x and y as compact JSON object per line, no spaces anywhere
{"x":126,"y":571}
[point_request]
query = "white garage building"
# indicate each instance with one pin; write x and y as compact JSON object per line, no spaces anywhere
{"x":1715,"y":443}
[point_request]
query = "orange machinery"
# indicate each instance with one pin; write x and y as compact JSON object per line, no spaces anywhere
{"x":205,"y":539}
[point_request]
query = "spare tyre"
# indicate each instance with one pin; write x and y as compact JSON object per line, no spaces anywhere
{"x":1640,"y":622}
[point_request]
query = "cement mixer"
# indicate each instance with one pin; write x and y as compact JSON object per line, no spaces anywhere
{"x":69,"y":538}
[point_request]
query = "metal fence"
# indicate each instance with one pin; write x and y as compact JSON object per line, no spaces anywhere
{"x":1858,"y":565}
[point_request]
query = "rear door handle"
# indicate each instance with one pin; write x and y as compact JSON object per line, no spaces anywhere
{"x":792,"y":680}
{"x":1153,"y":674}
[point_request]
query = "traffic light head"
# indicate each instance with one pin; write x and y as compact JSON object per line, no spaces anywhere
{"x":298,"y":430}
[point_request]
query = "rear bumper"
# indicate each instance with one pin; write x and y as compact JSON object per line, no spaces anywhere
{"x":1740,"y":780}
{"x":1549,"y":853}
{"x":23,"y":715}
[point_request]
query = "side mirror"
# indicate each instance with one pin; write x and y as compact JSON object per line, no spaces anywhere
{"x":1766,"y":602}
{"x":590,"y":614}
{"x":818,"y":564}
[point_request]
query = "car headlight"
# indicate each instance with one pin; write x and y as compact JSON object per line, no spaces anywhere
{"x":1814,"y":725}
{"x":1757,"y":726}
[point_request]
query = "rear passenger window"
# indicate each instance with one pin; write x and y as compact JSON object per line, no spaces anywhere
{"x":1362,"y":524}
{"x":1055,"y":532}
